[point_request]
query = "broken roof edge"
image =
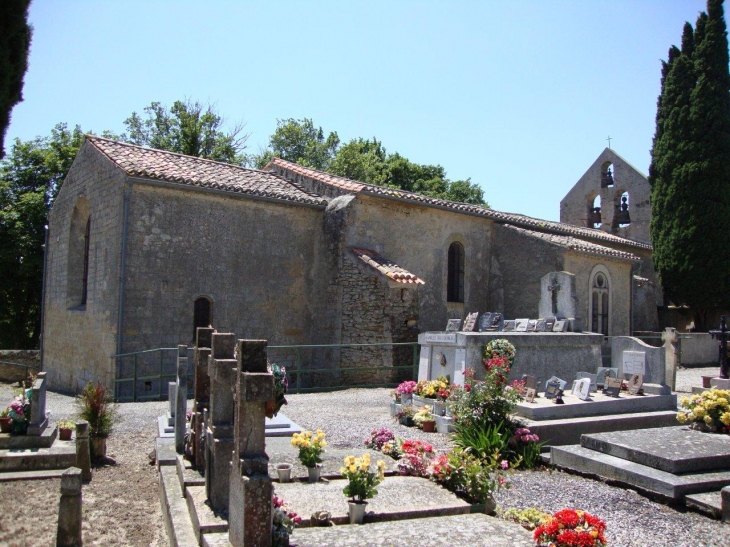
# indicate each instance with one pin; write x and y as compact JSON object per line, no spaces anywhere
{"x":388,"y":268}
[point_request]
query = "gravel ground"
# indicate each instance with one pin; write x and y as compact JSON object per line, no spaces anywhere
{"x":121,"y":506}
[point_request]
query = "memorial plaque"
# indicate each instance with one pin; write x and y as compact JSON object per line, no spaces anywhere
{"x":530,"y":381}
{"x":561,"y":383}
{"x":469,"y":322}
{"x":612,"y":387}
{"x":605,"y":372}
{"x":509,"y":325}
{"x":540,"y":325}
{"x":459,"y":366}
{"x":491,"y":321}
{"x":530,"y":395}
{"x":561,"y":325}
{"x":531,"y":324}
{"x":521,"y":325}
{"x":453,"y":325}
{"x":592,"y":377}
{"x":552,"y":389}
{"x":582,"y":388}
{"x":634,"y":362}
{"x":550,"y":323}
{"x":635,"y":383}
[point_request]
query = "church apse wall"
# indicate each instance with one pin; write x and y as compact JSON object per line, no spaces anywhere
{"x":81,"y":299}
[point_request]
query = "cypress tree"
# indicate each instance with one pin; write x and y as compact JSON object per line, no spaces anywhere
{"x":690,"y":169}
{"x":15,"y":34}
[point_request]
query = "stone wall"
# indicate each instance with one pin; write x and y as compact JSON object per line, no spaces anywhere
{"x":79,"y":340}
{"x":25,"y":361}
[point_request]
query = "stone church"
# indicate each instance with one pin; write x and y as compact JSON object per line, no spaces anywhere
{"x":145,"y":245}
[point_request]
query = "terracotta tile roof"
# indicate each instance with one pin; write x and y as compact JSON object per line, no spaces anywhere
{"x":350,"y":185}
{"x":574,"y":244}
{"x":149,"y":163}
{"x":386,"y":267}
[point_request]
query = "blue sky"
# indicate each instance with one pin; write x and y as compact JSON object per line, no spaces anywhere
{"x":518,"y":95}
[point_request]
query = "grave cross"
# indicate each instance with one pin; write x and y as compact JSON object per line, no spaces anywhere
{"x":609,"y":141}
{"x":554,"y":288}
{"x":722,"y":336}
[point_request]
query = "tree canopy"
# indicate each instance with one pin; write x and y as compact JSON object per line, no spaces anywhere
{"x":690,"y":168}
{"x":15,"y":36}
{"x":364,"y":160}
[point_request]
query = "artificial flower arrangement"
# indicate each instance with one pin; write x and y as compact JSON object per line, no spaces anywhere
{"x":423,"y":414}
{"x":281,"y":386}
{"x":19,"y":412}
{"x":362,"y":480}
{"x":393,"y":449}
{"x":500,"y":349}
{"x":406,"y":388}
{"x":527,"y":445}
{"x":708,"y":411}
{"x":429,"y":389}
{"x":571,"y":528}
{"x":415,"y":458}
{"x":378,"y":438}
{"x":310,"y":445}
{"x":283,"y":523}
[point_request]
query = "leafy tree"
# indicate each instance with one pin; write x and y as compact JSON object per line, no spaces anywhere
{"x":29,"y":180}
{"x":300,"y":142}
{"x":691,"y":169}
{"x":15,"y":36}
{"x":187,"y":128}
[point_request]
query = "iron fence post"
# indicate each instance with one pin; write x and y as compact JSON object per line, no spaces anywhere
{"x":299,"y":369}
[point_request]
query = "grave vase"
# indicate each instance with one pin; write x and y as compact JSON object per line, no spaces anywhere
{"x":429,"y":427}
{"x":98,"y":447}
{"x":357,"y":511}
{"x":314,"y":473}
{"x":406,"y":398}
{"x":64,"y":433}
{"x":284,"y":472}
{"x":5,"y":424}
{"x":439,"y":408}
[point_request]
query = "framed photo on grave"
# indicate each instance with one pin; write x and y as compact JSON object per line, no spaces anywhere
{"x":453,"y":325}
{"x":550,"y":323}
{"x":540,"y":325}
{"x":592,"y":377}
{"x":521,"y":325}
{"x":470,"y":321}
{"x":561,"y":383}
{"x":530,"y":395}
{"x":635,"y":383}
{"x":485,"y":321}
{"x":612,"y":387}
{"x":530,"y":381}
{"x":605,"y":372}
{"x":561,"y":325}
{"x":509,"y":325}
{"x":582,"y":388}
{"x":552,"y":389}
{"x":531,"y":324}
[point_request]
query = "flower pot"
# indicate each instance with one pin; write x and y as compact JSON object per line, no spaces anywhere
{"x":438,"y":408}
{"x":706,"y":381}
{"x":429,"y":427}
{"x":314,"y":473}
{"x":98,"y":447}
{"x":406,"y":421}
{"x":5,"y":424}
{"x":406,"y":398}
{"x":64,"y":433}
{"x":284,"y":472}
{"x":357,"y":511}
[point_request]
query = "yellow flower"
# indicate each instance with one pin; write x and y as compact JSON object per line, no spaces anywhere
{"x":323,"y":444}
{"x":349,"y":460}
{"x":691,"y":416}
{"x":699,"y":412}
{"x":725,"y":418}
{"x":381,"y":464}
{"x":681,"y":417}
{"x":708,"y":419}
{"x":684,"y":401}
{"x":721,"y":401}
{"x":353,"y":469}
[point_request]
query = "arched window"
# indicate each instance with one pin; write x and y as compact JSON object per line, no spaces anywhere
{"x":77,"y":278}
{"x":455,"y":280}
{"x":594,"y":212}
{"x":600,"y":298}
{"x":202,"y":314}
{"x":622,"y":218}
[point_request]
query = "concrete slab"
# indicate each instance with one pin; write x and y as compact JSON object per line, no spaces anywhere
{"x":424,"y":499}
{"x":179,"y":528}
{"x":61,"y":455}
{"x":280,"y":450}
{"x":676,"y":449}
{"x":32,"y":475}
{"x":584,"y":460}
{"x":569,"y":431}
{"x":455,"y":531}
{"x":203,"y":519}
{"x":44,"y":440}
{"x":708,"y":502}
{"x":598,"y":405}
{"x":187,"y":475}
{"x":216,"y":540}
{"x":165,"y":451}
{"x":163,"y":428}
{"x":281,"y":426}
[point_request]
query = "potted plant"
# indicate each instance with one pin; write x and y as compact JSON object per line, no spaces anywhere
{"x":708,"y":411}
{"x":96,"y":407}
{"x":19,"y":412}
{"x":424,"y":419}
{"x":405,"y":391}
{"x":281,"y":386}
{"x":65,"y":429}
{"x":361,"y":483}
{"x":311,"y":447}
{"x":5,"y":420}
{"x":405,"y":416}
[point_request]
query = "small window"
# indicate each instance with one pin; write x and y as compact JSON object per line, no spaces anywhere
{"x":78,"y":265}
{"x":599,"y":305}
{"x":455,"y":281}
{"x":202,"y":314}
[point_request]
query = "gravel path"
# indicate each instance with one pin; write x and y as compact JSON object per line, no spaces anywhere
{"x":121,"y":506}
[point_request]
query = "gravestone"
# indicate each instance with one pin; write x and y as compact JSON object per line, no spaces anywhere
{"x":552,"y":389}
{"x":172,"y":399}
{"x":453,"y":325}
{"x":219,"y":431}
{"x":68,"y":531}
{"x":671,"y":356}
{"x":181,"y":403}
{"x":531,"y":325}
{"x":201,"y":390}
{"x":469,"y":322}
{"x":491,"y":321}
{"x":540,"y":325}
{"x":550,"y":323}
{"x":561,"y":383}
{"x":509,"y":326}
{"x":521,"y":325}
{"x":605,"y":372}
{"x":530,"y":381}
{"x":558,"y":297}
{"x":249,"y":520}
{"x":83,"y":453}
{"x":561,"y":325}
{"x":38,"y":418}
{"x":582,"y":389}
